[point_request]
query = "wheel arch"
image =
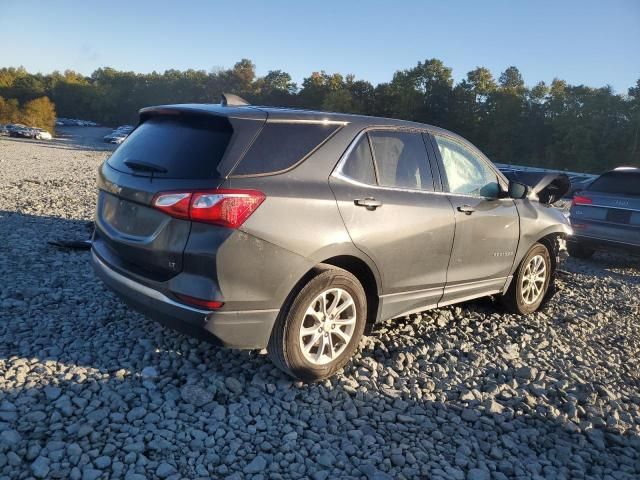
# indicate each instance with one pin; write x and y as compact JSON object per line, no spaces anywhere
{"x":548,"y":237}
{"x":552,"y":242}
{"x":365,"y":275}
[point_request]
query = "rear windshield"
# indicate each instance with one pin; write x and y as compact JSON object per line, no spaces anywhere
{"x":622,"y":183}
{"x":281,"y":145}
{"x":180,"y":147}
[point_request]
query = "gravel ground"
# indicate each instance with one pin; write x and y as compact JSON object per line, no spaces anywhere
{"x":90,"y":389}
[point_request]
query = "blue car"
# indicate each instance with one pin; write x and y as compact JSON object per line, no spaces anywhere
{"x":606,"y":214}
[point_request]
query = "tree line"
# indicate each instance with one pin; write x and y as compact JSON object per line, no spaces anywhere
{"x":39,"y":112}
{"x":554,"y":125}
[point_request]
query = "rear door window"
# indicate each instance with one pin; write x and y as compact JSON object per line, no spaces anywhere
{"x":281,"y":145}
{"x":621,"y":183}
{"x":401,"y":160}
{"x":359,"y":165}
{"x":180,"y":147}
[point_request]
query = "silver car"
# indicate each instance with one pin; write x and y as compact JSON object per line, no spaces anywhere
{"x":607,"y":214}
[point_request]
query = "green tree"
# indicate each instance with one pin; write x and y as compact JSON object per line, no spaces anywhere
{"x":40,"y":113}
{"x":557,"y":125}
{"x":633,"y":136}
{"x":9,"y":110}
{"x":278,"y":81}
{"x":338,"y":101}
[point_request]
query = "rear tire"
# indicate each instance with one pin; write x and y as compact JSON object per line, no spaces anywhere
{"x":320,"y":326}
{"x":579,"y":251}
{"x":530,"y":282}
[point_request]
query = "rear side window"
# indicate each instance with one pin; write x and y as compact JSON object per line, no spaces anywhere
{"x":401,"y":158}
{"x":622,"y":183}
{"x":281,"y":145}
{"x":180,"y":147}
{"x":359,"y":165}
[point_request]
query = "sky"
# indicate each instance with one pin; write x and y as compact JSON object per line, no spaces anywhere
{"x":595,"y":43}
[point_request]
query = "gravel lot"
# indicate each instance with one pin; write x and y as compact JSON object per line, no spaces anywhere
{"x":90,"y":389}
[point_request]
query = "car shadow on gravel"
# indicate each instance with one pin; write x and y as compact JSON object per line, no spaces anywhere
{"x":441,"y":394}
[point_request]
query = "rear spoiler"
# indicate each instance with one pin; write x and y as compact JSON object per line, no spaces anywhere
{"x":245,"y":121}
{"x":227,"y":110}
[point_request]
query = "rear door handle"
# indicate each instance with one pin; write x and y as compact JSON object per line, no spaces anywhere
{"x":369,"y":202}
{"x":466,"y":209}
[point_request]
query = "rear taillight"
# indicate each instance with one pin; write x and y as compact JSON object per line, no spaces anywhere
{"x":209,"y":304}
{"x":175,"y":204}
{"x":226,"y":207}
{"x":581,"y":200}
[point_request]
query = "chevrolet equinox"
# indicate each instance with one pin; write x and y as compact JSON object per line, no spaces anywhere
{"x":296,"y":231}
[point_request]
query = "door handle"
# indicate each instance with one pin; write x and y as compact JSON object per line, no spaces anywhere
{"x":369,"y":202}
{"x":466,"y":209}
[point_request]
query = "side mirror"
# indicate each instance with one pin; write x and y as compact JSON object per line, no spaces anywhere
{"x":518,"y":190}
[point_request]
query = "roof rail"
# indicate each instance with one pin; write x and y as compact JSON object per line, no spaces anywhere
{"x":231,"y":100}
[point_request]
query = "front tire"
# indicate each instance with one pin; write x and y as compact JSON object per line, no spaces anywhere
{"x":321,"y":325}
{"x":530,"y":282}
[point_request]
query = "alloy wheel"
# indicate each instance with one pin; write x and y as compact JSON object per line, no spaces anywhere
{"x":533,"y":280}
{"x":328,"y":326}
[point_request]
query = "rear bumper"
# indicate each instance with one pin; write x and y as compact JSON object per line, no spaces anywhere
{"x":603,"y":243}
{"x":245,"y":329}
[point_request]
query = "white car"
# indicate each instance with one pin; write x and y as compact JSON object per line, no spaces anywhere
{"x":119,"y":134}
{"x":118,"y":138}
{"x":41,"y":134}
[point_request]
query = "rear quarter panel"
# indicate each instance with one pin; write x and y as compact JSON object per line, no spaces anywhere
{"x":300,"y":215}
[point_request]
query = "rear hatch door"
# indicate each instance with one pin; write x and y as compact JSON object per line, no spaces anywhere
{"x":165,"y":153}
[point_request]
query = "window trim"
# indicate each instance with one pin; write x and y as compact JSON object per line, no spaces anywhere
{"x":347,"y":155}
{"x":373,"y":159}
{"x":340,"y":126}
{"x":502,"y":180}
{"x":338,"y":169}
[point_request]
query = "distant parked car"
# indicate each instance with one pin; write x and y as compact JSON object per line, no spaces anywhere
{"x":74,"y":122}
{"x":119,"y":138}
{"x":119,"y":134}
{"x":15,"y":126}
{"x":579,"y":183}
{"x":41,"y":134}
{"x":4,"y":130}
{"x":607,"y":214}
{"x":22,"y":132}
{"x":30,"y":132}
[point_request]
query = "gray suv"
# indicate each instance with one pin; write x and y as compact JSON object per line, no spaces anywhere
{"x":606,"y":214}
{"x":296,"y":231}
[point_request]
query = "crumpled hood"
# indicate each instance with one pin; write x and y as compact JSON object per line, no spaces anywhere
{"x":551,"y":188}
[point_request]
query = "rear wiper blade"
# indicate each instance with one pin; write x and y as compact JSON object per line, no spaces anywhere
{"x":144,"y":166}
